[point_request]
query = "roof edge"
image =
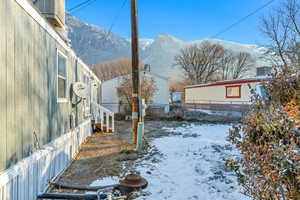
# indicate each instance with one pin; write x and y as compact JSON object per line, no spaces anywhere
{"x":229,"y":82}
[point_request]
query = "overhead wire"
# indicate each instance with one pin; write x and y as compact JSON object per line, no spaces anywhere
{"x":81,"y":5}
{"x":116,"y":17}
{"x":242,"y":19}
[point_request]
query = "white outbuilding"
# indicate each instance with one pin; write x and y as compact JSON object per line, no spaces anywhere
{"x":111,"y":100}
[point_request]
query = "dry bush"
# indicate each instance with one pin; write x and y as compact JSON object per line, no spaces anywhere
{"x":269,"y":142}
{"x":178,"y":85}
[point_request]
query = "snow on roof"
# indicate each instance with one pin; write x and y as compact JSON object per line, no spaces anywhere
{"x":236,"y":81}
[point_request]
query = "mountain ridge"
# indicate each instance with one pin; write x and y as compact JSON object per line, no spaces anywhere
{"x":95,"y":45}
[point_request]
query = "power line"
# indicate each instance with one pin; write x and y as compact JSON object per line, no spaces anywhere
{"x":242,"y":19}
{"x":81,"y":5}
{"x":117,"y":15}
{"x":115,"y":19}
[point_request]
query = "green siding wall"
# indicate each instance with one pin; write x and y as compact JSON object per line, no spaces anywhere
{"x":28,"y":86}
{"x":3,"y":69}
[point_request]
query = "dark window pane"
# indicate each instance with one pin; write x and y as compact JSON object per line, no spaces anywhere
{"x":62,"y":71}
{"x":61,"y":88}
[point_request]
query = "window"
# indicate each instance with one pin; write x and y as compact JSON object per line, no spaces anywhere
{"x":61,"y":77}
{"x":233,"y":91}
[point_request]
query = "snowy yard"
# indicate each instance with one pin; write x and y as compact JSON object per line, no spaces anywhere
{"x":187,"y":165}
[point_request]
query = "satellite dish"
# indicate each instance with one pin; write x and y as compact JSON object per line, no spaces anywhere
{"x":80,"y":90}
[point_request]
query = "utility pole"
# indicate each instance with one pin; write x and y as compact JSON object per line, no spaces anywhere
{"x":135,"y":70}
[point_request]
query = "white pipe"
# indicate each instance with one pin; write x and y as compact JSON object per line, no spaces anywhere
{"x":102,"y":120}
{"x":113,"y":122}
{"x":107,"y":121}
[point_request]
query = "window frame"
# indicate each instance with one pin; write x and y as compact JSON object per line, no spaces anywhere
{"x":59,"y":99}
{"x":233,"y":86}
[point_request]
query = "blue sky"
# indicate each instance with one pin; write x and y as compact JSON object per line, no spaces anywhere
{"x":185,"y":19}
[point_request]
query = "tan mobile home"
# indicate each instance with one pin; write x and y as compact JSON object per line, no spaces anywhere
{"x":234,"y":92}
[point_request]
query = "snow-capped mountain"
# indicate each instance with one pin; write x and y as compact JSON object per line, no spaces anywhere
{"x":95,"y":45}
{"x":145,"y":43}
{"x":161,"y":52}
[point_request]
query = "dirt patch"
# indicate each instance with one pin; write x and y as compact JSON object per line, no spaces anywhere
{"x":99,"y":156}
{"x":102,"y":155}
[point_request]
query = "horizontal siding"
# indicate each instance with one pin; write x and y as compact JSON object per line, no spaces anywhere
{"x":217,"y":94}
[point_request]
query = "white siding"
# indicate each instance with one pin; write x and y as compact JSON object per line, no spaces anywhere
{"x":217,"y":94}
{"x":29,"y":177}
{"x":110,"y":98}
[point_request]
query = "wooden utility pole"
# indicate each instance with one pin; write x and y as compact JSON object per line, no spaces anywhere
{"x":135,"y":70}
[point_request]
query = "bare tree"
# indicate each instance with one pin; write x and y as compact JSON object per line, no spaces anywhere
{"x":210,"y":62}
{"x":200,"y":62}
{"x":242,"y":64}
{"x":109,"y":70}
{"x":148,"y":88}
{"x":277,"y":30}
{"x":282,"y":28}
{"x":225,"y":70}
{"x":235,"y":65}
{"x":177,"y":85}
{"x":292,"y":9}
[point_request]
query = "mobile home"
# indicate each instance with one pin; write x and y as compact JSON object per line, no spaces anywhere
{"x":42,"y":121}
{"x":231,"y":92}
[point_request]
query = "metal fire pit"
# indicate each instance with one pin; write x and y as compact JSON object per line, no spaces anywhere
{"x":134,"y":181}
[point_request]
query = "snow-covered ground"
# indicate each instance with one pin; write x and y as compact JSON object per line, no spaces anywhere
{"x":188,"y":165}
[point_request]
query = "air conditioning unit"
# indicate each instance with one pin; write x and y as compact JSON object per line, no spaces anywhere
{"x":53,"y":10}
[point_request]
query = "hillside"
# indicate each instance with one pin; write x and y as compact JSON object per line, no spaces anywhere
{"x":169,"y":46}
{"x":95,"y":45}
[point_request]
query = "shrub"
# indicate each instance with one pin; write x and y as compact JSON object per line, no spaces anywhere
{"x":269,"y":142}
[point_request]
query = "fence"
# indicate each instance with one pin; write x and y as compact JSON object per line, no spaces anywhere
{"x":208,"y":101}
{"x":125,"y":108}
{"x":215,"y":105}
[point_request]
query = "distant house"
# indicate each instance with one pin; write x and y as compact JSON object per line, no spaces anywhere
{"x":231,"y":92}
{"x":111,"y":100}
